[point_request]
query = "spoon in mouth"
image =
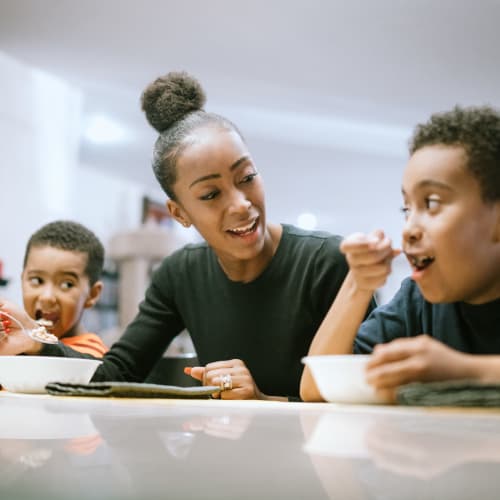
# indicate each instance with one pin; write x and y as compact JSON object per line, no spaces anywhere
{"x":39,"y":334}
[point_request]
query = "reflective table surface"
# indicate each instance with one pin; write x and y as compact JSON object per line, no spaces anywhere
{"x":86,"y":448}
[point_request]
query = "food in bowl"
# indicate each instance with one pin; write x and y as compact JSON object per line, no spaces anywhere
{"x":30,"y":374}
{"x":340,"y":378}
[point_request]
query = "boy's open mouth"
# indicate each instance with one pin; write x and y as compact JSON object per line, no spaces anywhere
{"x":46,"y":320}
{"x":420,"y":262}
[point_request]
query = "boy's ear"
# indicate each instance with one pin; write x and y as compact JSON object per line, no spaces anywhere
{"x":178,"y":213}
{"x":94,"y":294}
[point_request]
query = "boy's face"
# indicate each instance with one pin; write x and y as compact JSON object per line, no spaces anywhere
{"x":56,"y":288}
{"x":451,"y":236}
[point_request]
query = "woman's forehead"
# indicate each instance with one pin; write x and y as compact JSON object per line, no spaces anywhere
{"x":210,"y":150}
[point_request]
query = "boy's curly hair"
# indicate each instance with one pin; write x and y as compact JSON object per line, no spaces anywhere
{"x":72,"y":236}
{"x":477,"y":130}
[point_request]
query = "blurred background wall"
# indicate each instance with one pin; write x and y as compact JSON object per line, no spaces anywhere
{"x":325,"y":92}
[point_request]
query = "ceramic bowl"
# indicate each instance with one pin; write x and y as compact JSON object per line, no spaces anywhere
{"x":30,"y":374}
{"x":341,"y":378}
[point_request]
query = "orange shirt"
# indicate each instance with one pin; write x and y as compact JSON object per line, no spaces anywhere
{"x":88,"y":343}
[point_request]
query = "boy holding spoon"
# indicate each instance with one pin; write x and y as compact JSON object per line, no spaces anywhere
{"x":60,"y":279}
{"x":443,"y":322}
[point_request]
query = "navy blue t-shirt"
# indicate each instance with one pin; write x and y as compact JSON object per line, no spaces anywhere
{"x":469,"y":328}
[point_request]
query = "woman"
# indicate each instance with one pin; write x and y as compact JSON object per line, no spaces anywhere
{"x":254,"y":293}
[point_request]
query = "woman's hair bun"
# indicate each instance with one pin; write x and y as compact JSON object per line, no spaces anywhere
{"x":170,"y":97}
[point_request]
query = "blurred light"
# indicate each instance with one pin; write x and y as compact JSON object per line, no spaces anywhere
{"x":307,"y":221}
{"x":101,"y":130}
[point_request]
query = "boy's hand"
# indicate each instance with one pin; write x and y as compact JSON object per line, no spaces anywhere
{"x":369,"y":258}
{"x":13,"y":340}
{"x":243,"y":384}
{"x":416,"y":359}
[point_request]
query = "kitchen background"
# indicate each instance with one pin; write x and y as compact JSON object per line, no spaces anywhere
{"x":325,"y":92}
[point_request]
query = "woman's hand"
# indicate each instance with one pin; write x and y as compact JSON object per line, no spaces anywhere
{"x":415,"y":359}
{"x":13,"y":340}
{"x":369,"y":258}
{"x":242,"y":383}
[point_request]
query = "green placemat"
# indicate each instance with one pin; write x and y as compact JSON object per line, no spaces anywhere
{"x":453,"y":393}
{"x":129,"y":390}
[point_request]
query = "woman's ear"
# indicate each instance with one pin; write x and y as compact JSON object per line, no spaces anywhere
{"x":94,"y":294}
{"x":178,"y":213}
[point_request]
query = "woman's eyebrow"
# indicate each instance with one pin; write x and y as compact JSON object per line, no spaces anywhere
{"x":204,"y":178}
{"x":235,"y":165}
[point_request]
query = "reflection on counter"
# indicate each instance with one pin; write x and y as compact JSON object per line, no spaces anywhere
{"x":21,"y":419}
{"x":127,"y":449}
{"x":421,"y":450}
{"x":156,"y":449}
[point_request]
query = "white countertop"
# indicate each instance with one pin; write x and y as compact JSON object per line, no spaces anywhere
{"x":80,"y":448}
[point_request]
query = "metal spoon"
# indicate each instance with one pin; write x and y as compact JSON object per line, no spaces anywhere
{"x":39,"y":334}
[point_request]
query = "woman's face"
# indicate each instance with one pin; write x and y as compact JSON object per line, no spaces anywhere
{"x":219,"y":191}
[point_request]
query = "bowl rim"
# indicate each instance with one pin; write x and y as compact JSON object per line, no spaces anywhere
{"x":30,"y":374}
{"x":342,"y":358}
{"x":63,"y":359}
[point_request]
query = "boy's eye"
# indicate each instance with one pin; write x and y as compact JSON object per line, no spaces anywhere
{"x":432,"y":203}
{"x":209,"y":196}
{"x":35,"y":281}
{"x":67,"y":285}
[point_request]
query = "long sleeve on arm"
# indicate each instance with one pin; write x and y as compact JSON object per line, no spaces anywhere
{"x":144,"y":341}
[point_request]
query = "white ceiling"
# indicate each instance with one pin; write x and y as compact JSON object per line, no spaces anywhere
{"x":384,"y":61}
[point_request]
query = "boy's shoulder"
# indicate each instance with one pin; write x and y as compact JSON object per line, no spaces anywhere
{"x":409,"y":296}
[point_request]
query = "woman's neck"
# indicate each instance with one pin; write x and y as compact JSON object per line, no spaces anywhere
{"x":245,"y":271}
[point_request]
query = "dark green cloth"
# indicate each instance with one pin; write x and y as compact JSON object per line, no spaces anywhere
{"x":453,"y":393}
{"x":130,"y":390}
{"x":268,"y":323}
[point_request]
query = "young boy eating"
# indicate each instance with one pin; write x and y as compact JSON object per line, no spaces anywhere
{"x":443,"y":323}
{"x":60,"y":279}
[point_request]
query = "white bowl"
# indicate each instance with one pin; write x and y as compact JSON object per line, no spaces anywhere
{"x":32,"y":373}
{"x":341,"y":378}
